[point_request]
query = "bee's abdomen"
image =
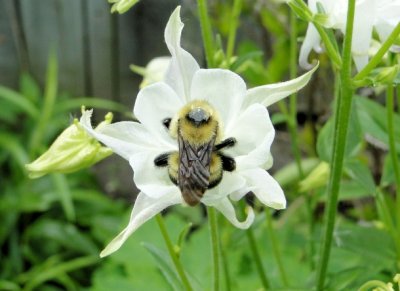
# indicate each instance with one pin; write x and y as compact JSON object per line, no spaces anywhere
{"x":194,"y":170}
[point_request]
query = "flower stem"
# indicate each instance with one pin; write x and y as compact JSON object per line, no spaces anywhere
{"x":212,"y":221}
{"x":237,"y":7}
{"x":379,"y":55}
{"x":172,"y":253}
{"x":206,"y":32}
{"x":257,"y":259}
{"x":392,"y":148}
{"x":342,"y":116}
{"x":275,"y":249}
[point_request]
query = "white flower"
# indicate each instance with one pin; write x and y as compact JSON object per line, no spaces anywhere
{"x":383,"y":15}
{"x":243,"y":115}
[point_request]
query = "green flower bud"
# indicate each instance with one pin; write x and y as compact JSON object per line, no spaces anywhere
{"x":74,"y":149}
{"x":121,"y":6}
{"x":154,"y":71}
{"x":317,"y":178}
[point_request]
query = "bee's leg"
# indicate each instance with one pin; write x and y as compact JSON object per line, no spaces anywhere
{"x":162,"y":160}
{"x":229,"y":142}
{"x":228,"y":163}
{"x":167,"y":122}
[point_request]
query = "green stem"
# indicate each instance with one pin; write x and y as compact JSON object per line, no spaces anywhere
{"x":275,"y":249}
{"x":212,"y":221}
{"x":206,"y":32}
{"x":392,"y":149}
{"x":257,"y":258}
{"x":379,"y":55}
{"x":172,"y":252}
{"x":237,"y":7}
{"x":342,"y":116}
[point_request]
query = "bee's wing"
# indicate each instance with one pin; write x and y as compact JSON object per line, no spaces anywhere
{"x":194,"y":169}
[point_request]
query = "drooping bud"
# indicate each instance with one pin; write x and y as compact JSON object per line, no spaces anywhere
{"x":153,"y":72}
{"x":317,"y":178}
{"x":121,"y":6}
{"x":74,"y":149}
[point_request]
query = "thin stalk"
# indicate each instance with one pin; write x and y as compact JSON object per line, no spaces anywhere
{"x":374,"y":61}
{"x":206,"y":32}
{"x":392,"y":149}
{"x":236,"y":9}
{"x":212,"y":221}
{"x":257,"y":259}
{"x":172,"y":253}
{"x":342,"y":114}
{"x":275,"y":249}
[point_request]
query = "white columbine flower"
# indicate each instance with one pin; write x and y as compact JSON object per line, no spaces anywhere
{"x":383,"y":15}
{"x":244,"y":116}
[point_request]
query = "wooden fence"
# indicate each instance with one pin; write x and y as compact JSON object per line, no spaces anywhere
{"x":94,"y":47}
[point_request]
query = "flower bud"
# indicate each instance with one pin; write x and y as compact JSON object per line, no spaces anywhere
{"x":121,"y":6}
{"x":153,"y":72}
{"x":317,"y":178}
{"x":74,"y":149}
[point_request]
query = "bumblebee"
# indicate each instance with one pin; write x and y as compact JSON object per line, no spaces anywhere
{"x":199,"y":163}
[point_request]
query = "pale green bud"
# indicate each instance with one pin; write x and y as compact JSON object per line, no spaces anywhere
{"x":153,"y":72}
{"x":121,"y":6}
{"x":74,"y":149}
{"x":317,"y":178}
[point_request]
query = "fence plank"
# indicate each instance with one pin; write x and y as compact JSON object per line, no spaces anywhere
{"x":9,"y":65}
{"x":58,"y":24}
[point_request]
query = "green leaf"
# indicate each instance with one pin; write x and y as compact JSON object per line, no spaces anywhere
{"x":18,"y":100}
{"x":63,"y":236}
{"x":62,"y":187}
{"x":361,"y":174}
{"x":60,"y":270}
{"x":164,"y":263}
{"x":373,"y":121}
{"x":374,"y":245}
{"x":29,"y":87}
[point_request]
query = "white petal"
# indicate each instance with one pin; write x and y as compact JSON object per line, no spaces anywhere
{"x":153,"y":104}
{"x":226,"y":208}
{"x":254,"y":134}
{"x":124,"y":138}
{"x":362,"y":32}
{"x":269,"y":94}
{"x":230,"y":183}
{"x":265,"y":187}
{"x":152,"y":180}
{"x":183,"y":65}
{"x":143,"y":210}
{"x":224,"y":89}
{"x":311,"y":40}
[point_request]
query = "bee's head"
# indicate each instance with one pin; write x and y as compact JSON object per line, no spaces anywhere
{"x":198,"y":116}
